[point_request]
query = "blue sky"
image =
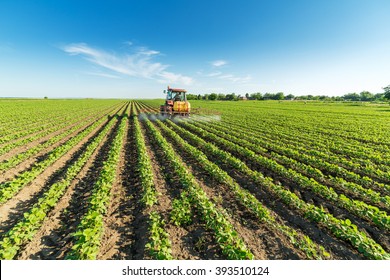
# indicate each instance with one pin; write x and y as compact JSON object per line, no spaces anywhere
{"x":134,"y":48}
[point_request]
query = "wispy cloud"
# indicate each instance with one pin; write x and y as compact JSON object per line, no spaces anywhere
{"x":228,"y":77}
{"x":235,"y":79}
{"x":217,"y":73}
{"x":137,"y":64}
{"x":218,"y":63}
{"x":103,"y":75}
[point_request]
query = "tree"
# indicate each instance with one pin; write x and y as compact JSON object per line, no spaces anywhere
{"x":45,"y":97}
{"x":315,"y":97}
{"x":352,"y":96}
{"x":267,"y":96}
{"x":231,"y":96}
{"x":279,"y":96}
{"x":192,"y":96}
{"x":221,"y":96}
{"x":213,"y":96}
{"x":257,"y":96}
{"x":289,"y":97}
{"x":366,"y":96}
{"x":337,"y":98}
{"x":387,"y":92}
{"x":324,"y":98}
{"x":379,"y":96}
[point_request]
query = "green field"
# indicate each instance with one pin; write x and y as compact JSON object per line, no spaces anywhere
{"x":111,"y":179}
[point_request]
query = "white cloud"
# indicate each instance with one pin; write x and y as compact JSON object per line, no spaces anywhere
{"x":218,"y":63}
{"x":174,"y":78}
{"x":138,"y":64}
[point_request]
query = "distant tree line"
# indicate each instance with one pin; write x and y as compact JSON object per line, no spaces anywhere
{"x":362,"y":96}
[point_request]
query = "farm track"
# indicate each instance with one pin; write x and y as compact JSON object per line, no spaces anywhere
{"x":234,"y":186}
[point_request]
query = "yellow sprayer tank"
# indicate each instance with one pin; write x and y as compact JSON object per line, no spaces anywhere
{"x":182,"y":106}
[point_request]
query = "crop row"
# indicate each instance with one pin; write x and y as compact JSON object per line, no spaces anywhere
{"x":24,"y":230}
{"x":314,"y":158}
{"x":342,"y":229}
{"x":280,"y":154}
{"x":90,"y":230}
{"x":45,"y":130}
{"x":18,"y":158}
{"x":302,"y":124}
{"x":10,"y":188}
{"x":33,"y":123}
{"x":307,"y":124}
{"x":323,"y":147}
{"x":359,"y":158}
{"x":338,"y":148}
{"x":159,"y":245}
{"x":35,"y":132}
{"x":302,"y":242}
{"x":47,"y":119}
{"x":359,"y":208}
{"x":144,"y":166}
{"x":226,"y":236}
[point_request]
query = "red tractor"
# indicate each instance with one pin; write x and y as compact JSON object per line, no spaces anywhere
{"x":176,"y":103}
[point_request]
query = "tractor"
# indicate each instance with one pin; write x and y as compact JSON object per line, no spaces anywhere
{"x":176,"y":103}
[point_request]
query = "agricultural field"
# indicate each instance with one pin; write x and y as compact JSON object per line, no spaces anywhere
{"x":112,"y":179}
